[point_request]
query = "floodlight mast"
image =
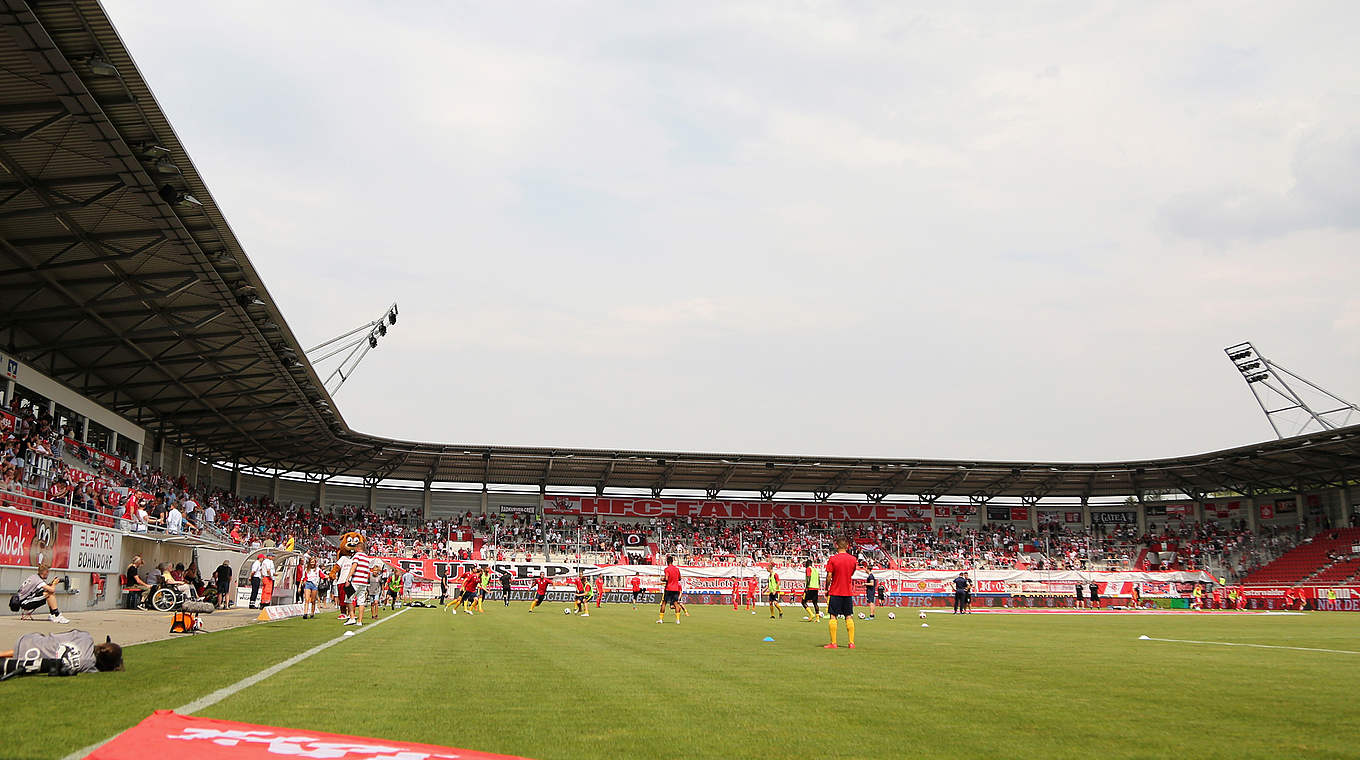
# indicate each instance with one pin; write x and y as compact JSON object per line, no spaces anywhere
{"x":355,"y":345}
{"x":1271,"y":384}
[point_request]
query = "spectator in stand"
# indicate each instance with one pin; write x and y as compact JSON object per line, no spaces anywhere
{"x":174,"y":520}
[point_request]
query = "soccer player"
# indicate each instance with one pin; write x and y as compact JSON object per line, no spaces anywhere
{"x":871,"y":591}
{"x":840,"y":573}
{"x":751,"y":585}
{"x":772,"y":589}
{"x":1218,"y":597}
{"x":582,"y":591}
{"x":540,"y":591}
{"x":637,"y":589}
{"x":1137,"y":597}
{"x":471,"y":579}
{"x":671,"y":593}
{"x":393,"y":590}
{"x":599,"y":590}
{"x":443,"y":589}
{"x":483,"y":587}
{"x":505,"y":585}
{"x":812,"y":583}
{"x":736,"y":592}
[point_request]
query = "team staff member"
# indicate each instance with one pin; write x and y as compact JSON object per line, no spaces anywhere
{"x":871,"y":591}
{"x":1094,"y":595}
{"x":812,"y":583}
{"x":671,"y":593}
{"x":540,"y":591}
{"x":840,"y":570}
{"x":505,"y":585}
{"x":961,"y":593}
{"x":772,"y":588}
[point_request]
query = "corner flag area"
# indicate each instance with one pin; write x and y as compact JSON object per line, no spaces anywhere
{"x":618,"y":685}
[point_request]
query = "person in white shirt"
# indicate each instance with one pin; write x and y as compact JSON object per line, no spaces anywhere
{"x":143,"y":520}
{"x":210,"y":515}
{"x":255,"y":568}
{"x":174,"y":520}
{"x":190,"y":510}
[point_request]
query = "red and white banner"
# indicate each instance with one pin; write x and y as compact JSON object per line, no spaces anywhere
{"x":168,"y":734}
{"x":739,"y":510}
{"x":26,"y":541}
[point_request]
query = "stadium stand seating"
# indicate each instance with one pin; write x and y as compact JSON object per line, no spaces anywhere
{"x":1312,"y":561}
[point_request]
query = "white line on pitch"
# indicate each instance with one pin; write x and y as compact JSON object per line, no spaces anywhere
{"x":245,"y":683}
{"x":1257,"y":646}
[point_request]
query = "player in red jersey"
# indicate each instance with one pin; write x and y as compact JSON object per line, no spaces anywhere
{"x":636,"y":584}
{"x":751,"y":585}
{"x":540,"y":591}
{"x":582,"y":592}
{"x":840,"y":572}
{"x":671,"y":593}
{"x":736,"y":593}
{"x":599,"y":590}
{"x":470,"y":581}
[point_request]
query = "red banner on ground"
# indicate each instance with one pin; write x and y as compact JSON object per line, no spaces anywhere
{"x":168,"y":734}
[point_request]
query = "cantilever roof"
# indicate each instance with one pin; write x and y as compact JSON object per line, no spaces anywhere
{"x":152,"y":308}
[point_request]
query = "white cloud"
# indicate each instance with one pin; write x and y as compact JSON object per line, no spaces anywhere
{"x":1021,"y":231}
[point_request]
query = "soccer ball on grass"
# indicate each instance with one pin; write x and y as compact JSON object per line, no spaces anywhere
{"x":861,"y":616}
{"x":892,"y":616}
{"x":566,"y":611}
{"x":923,"y":614}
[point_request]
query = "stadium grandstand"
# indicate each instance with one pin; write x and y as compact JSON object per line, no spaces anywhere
{"x":156,"y":402}
{"x":146,"y":353}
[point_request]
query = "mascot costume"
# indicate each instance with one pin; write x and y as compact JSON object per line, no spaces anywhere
{"x":350,"y":544}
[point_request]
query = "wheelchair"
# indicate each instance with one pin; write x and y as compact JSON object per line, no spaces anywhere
{"x":167,"y":599}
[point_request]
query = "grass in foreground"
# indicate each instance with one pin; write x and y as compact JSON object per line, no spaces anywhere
{"x":617,"y":684}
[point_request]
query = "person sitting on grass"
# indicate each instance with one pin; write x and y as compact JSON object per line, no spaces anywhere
{"x":60,"y":654}
{"x":35,"y":591}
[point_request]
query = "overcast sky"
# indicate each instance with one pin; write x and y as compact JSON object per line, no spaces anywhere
{"x":1024,"y":232}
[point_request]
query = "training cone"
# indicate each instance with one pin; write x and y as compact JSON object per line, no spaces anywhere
{"x":1144,"y":637}
{"x":767,"y":638}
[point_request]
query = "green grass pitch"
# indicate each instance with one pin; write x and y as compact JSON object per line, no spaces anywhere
{"x":617,"y":684}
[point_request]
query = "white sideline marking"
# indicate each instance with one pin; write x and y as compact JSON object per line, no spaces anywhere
{"x":245,"y":683}
{"x":1257,"y":646}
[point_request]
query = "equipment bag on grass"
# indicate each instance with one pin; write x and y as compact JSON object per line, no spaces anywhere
{"x":185,"y":622}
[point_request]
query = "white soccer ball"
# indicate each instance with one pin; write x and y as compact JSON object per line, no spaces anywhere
{"x":861,"y":616}
{"x":806,"y":618}
{"x":566,"y":611}
{"x":923,"y":614}
{"x":892,"y":616}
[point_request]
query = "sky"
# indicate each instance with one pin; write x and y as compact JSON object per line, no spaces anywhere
{"x":1009,"y":230}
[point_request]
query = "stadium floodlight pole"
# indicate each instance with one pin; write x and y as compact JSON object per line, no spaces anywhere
{"x":355,"y":344}
{"x":1277,"y":396}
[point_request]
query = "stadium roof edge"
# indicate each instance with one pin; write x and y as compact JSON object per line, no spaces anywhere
{"x":150,"y":306}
